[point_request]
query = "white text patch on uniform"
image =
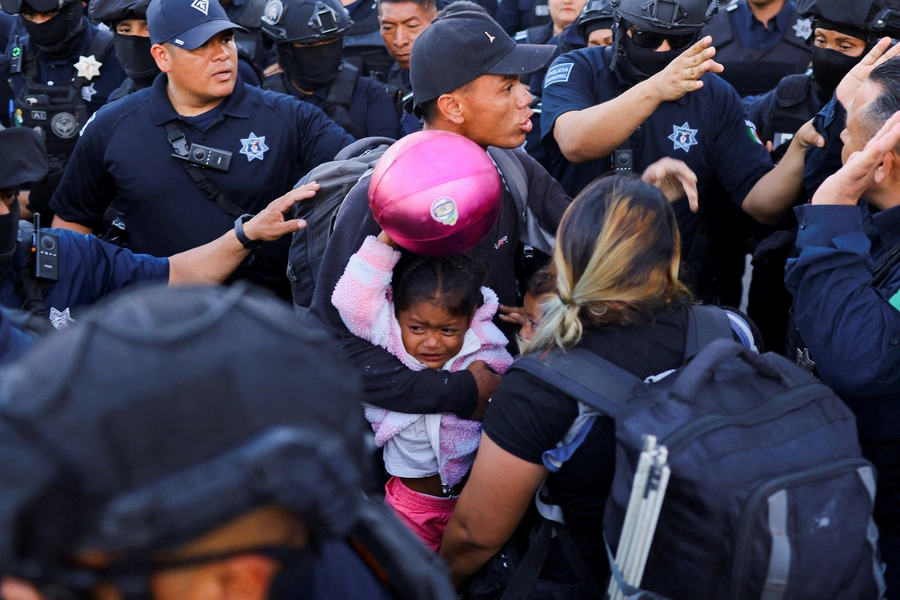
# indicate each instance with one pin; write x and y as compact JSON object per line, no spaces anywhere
{"x":558,"y":73}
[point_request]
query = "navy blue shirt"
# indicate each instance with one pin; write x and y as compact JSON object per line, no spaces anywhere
{"x":13,"y":341}
{"x":397,"y":76}
{"x":753,"y":33}
{"x":852,"y":328}
{"x":821,"y":163}
{"x":707,"y":129}
{"x":89,"y":269}
{"x":124,"y":155}
{"x":61,"y":71}
{"x":370,"y":107}
{"x":516,"y":15}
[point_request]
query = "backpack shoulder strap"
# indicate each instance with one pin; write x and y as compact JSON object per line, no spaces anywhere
{"x":362,"y":146}
{"x":584,"y":376}
{"x":792,"y":90}
{"x":706,"y":324}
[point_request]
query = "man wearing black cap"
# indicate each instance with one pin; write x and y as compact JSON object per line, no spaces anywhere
{"x":62,"y":69}
{"x":465,"y":76}
{"x":197,"y":150}
{"x":87,"y":268}
{"x":200,"y":470}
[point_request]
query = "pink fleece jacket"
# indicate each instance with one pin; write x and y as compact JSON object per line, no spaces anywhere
{"x":363,"y":299}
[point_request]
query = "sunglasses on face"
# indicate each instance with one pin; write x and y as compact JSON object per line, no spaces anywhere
{"x":651,"y":40}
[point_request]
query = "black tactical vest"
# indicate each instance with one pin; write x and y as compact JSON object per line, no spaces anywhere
{"x":337,"y":102}
{"x":752,"y":71}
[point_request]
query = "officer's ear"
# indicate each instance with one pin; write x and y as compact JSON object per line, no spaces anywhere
{"x":450,"y":106}
{"x":162,"y":54}
{"x":888,"y":171}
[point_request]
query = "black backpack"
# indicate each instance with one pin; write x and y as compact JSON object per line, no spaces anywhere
{"x":769,"y":496}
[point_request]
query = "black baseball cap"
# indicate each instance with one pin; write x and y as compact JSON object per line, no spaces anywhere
{"x":463,"y":46}
{"x":23,"y":157}
{"x":187,"y":23}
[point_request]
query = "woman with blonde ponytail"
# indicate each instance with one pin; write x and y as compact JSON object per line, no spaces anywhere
{"x":618,"y":295}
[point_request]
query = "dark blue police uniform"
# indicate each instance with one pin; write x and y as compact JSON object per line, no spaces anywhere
{"x":821,"y":163}
{"x":398,"y":83}
{"x":370,"y":110}
{"x":780,"y":113}
{"x":757,"y":56}
{"x":13,"y":341}
{"x":707,"y":129}
{"x":363,"y":45}
{"x":517,"y":15}
{"x":89,"y":270}
{"x":852,"y":330}
{"x":124,"y":155}
{"x":60,"y":71}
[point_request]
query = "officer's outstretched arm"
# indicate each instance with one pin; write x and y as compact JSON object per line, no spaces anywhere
{"x":215,"y":261}
{"x":63,"y":224}
{"x":775,"y":192}
{"x":595,"y":132}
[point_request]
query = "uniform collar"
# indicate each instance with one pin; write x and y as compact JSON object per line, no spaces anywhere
{"x":161,"y":110}
{"x":887,"y":223}
{"x":779,"y":21}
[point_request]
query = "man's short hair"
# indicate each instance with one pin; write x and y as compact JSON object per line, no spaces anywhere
{"x":878,"y":111}
{"x":427,"y":5}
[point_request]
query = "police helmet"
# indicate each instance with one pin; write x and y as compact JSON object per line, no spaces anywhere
{"x":873,"y":19}
{"x":305,"y":21}
{"x":14,"y":7}
{"x":113,"y":11}
{"x":167,"y":412}
{"x":666,"y":16}
{"x":596,"y":14}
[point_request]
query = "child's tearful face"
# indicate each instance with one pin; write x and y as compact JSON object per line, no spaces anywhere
{"x":431,"y":333}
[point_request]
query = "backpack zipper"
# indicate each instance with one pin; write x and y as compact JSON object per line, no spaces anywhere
{"x":776,"y":407}
{"x":828,"y":471}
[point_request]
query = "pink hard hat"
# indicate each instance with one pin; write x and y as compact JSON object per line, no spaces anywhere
{"x":435,"y":193}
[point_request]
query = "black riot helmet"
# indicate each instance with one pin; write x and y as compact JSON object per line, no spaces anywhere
{"x":305,"y":21}
{"x":168,"y":412}
{"x":596,"y":14}
{"x":865,"y":19}
{"x":666,"y":16}
{"x":14,"y":7}
{"x":113,"y":11}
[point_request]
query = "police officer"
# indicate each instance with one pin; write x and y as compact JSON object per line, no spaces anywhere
{"x":653,"y":94}
{"x":186,"y":157}
{"x":7,"y":23}
{"x":62,"y":70}
{"x":846,"y":280}
{"x":309,"y":35}
{"x":595,"y":24}
{"x":518,"y":15}
{"x":127,"y":19}
{"x":226,"y":458}
{"x":401,"y":23}
{"x":82,"y":268}
{"x":251,"y":44}
{"x":759,"y":42}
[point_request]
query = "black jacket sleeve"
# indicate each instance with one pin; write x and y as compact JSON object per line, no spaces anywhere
{"x":388,"y":382}
{"x":546,"y":197}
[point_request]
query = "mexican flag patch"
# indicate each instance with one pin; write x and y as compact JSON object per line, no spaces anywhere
{"x":751,"y":130}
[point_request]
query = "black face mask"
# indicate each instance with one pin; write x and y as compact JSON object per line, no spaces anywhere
{"x":644,"y":63}
{"x":9,"y":232}
{"x":58,"y":36}
{"x":830,"y":66}
{"x":134,"y":55}
{"x":311,"y":67}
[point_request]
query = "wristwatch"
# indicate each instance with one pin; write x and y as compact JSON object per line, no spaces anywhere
{"x":242,"y":237}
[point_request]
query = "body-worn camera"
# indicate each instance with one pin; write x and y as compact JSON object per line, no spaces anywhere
{"x":45,"y":246}
{"x":205,"y":156}
{"x":623,"y":161}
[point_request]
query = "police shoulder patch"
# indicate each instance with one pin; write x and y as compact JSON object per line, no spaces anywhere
{"x":558,"y":74}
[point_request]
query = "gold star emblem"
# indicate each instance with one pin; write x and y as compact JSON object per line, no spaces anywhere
{"x":88,"y":67}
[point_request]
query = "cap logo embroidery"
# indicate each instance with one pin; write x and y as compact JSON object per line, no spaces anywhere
{"x":201,"y":5}
{"x":272,"y":14}
{"x":490,"y":37}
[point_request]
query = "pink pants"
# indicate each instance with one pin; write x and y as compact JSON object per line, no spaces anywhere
{"x":427,"y":516}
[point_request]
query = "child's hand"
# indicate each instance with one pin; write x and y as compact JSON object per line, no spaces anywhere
{"x":513,"y":314}
{"x":384,"y":238}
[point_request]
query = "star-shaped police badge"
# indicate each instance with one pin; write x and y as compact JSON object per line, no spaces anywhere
{"x":87,"y":92}
{"x":88,"y":67}
{"x":254,"y":147}
{"x":684,"y":137}
{"x":803,"y":28}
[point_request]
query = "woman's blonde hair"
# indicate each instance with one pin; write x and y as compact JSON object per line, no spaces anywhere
{"x":616,"y":260}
